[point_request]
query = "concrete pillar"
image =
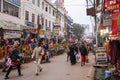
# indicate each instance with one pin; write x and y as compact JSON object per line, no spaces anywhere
{"x":1,"y":6}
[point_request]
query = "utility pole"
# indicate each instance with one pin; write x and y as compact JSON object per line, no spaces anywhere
{"x":92,"y":12}
{"x":95,"y":26}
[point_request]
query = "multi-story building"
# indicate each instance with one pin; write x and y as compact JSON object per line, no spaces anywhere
{"x":35,"y":16}
{"x":10,"y":18}
{"x":41,"y":14}
{"x":69,"y":27}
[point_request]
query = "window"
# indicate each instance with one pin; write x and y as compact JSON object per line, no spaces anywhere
{"x":26,"y":15}
{"x":38,"y":3}
{"x":53,"y":12}
{"x":38,"y":22}
{"x":10,"y":9}
{"x":46,"y":22}
{"x":33,"y":18}
{"x":50,"y":10}
{"x":33,"y":1}
{"x":42,"y":5}
{"x":42,"y":21}
{"x":46,"y":8}
{"x":38,"y":19}
{"x":49,"y":23}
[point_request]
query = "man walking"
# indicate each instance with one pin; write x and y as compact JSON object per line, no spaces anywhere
{"x":15,"y":60}
{"x":37,"y":52}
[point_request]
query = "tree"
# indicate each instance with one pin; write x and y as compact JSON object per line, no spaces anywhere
{"x":78,"y":30}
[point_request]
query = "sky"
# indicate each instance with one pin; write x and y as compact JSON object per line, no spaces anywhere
{"x":77,"y":11}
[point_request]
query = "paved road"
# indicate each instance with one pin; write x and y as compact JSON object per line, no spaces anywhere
{"x":58,"y":69}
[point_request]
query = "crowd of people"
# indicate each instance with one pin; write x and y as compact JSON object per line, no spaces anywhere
{"x":77,"y":52}
{"x":17,"y":50}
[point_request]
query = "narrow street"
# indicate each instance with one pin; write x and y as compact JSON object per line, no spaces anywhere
{"x":58,"y":69}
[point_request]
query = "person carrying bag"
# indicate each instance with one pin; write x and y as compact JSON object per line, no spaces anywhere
{"x":15,"y":61}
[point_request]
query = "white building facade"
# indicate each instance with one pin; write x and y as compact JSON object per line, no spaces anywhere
{"x":10,"y":18}
{"x":37,"y":16}
{"x":42,"y":14}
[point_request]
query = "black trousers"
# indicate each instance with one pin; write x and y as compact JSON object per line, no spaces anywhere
{"x":11,"y":67}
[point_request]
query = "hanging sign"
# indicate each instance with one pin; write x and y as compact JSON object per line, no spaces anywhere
{"x":101,"y":56}
{"x":111,"y":5}
{"x":56,"y":30}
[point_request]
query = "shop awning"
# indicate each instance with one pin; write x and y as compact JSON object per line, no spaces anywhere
{"x":9,"y":25}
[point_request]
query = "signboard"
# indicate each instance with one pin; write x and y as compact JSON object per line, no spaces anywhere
{"x":42,"y":32}
{"x":56,"y":30}
{"x":15,"y":2}
{"x":101,"y":56}
{"x":107,"y":22}
{"x":111,"y":5}
{"x":30,"y":24}
{"x":12,"y":34}
{"x":9,"y":25}
{"x":118,"y":1}
{"x":91,"y":11}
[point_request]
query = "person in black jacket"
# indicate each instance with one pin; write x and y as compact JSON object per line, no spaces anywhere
{"x":83,"y":51}
{"x":72,"y":54}
{"x":15,"y":61}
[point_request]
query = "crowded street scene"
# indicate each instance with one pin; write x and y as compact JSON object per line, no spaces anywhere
{"x":59,"y":39}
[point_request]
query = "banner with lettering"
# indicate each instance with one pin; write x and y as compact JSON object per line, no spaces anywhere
{"x":112,"y":5}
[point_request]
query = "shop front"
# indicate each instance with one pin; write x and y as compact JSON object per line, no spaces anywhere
{"x":41,"y":35}
{"x":10,"y":31}
{"x":112,"y":43}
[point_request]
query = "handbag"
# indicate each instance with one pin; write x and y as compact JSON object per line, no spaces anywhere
{"x":14,"y":63}
{"x":8,"y":62}
{"x":78,"y":57}
{"x":87,"y":59}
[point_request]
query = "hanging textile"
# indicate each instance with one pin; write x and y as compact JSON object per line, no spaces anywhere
{"x":114,"y":23}
{"x":115,"y":51}
{"x":118,"y":22}
{"x":118,"y":1}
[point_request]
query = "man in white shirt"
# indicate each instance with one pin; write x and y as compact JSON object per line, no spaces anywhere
{"x":37,"y":53}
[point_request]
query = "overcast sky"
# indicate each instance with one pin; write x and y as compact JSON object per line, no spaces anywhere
{"x":77,"y":11}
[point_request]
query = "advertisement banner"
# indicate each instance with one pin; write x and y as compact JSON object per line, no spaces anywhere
{"x":118,"y":1}
{"x":111,"y":5}
{"x":15,"y":2}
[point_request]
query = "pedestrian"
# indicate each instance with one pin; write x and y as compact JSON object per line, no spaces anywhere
{"x":72,"y":54}
{"x":67,"y":51}
{"x":47,"y":54}
{"x":37,"y":53}
{"x":83,"y":51}
{"x":15,"y":61}
{"x":7,"y":60}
